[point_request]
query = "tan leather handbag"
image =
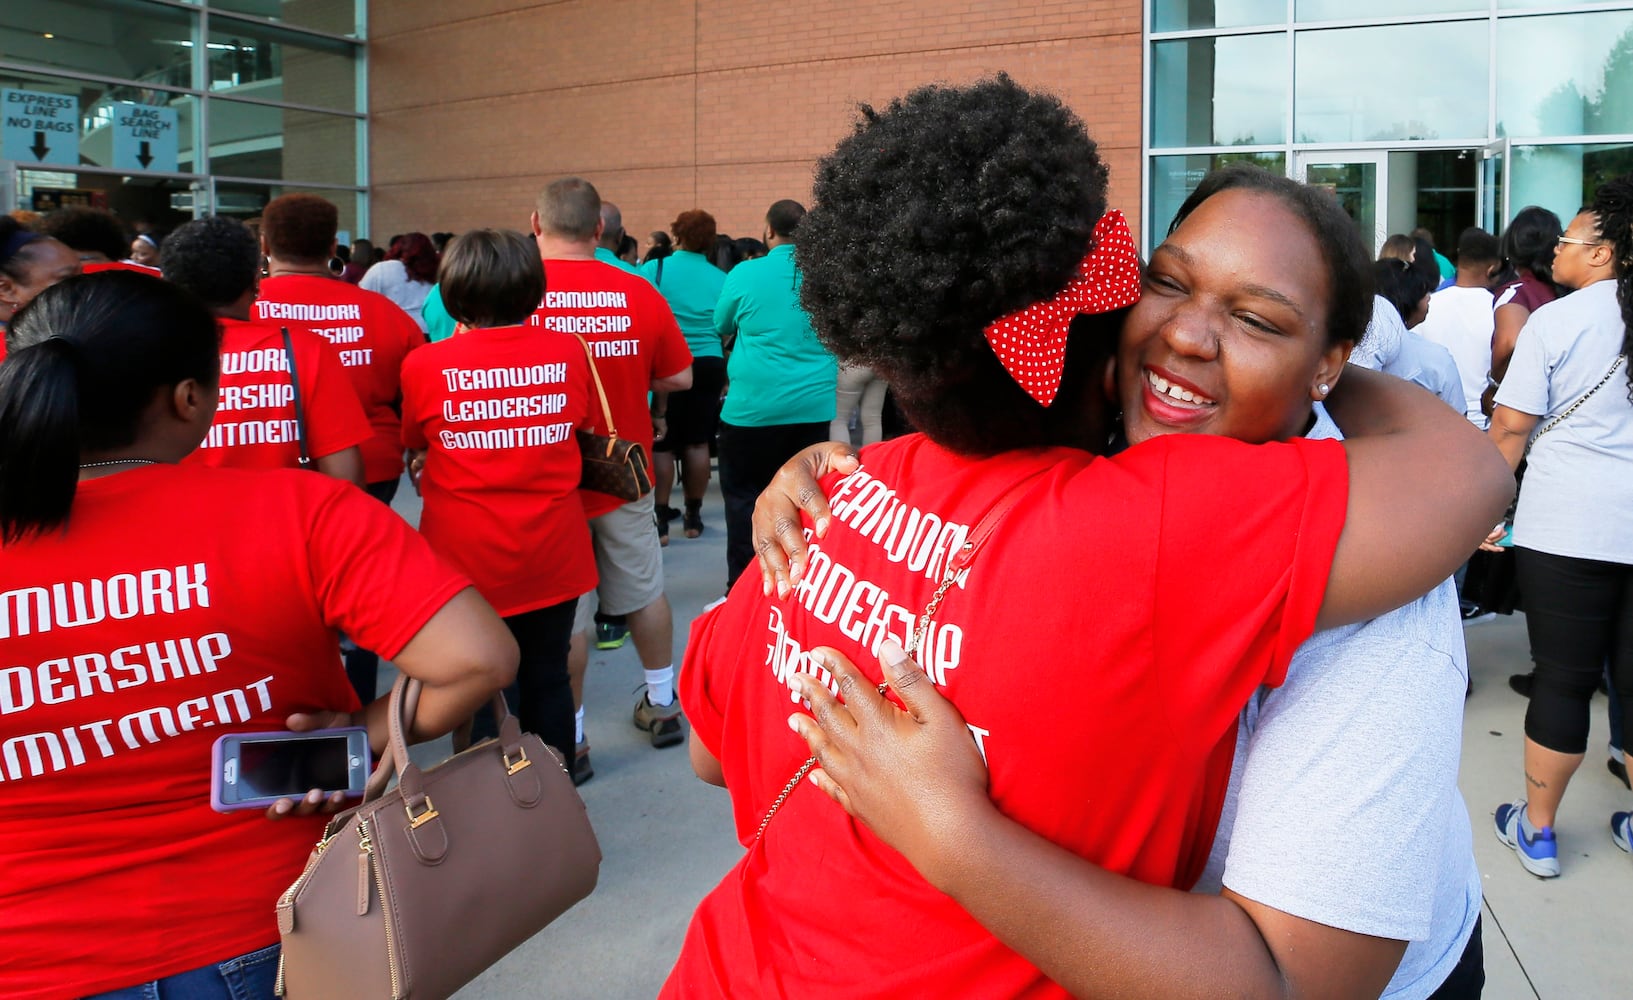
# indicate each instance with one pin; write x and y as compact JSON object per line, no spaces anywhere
{"x":612,"y":465}
{"x":416,"y":891}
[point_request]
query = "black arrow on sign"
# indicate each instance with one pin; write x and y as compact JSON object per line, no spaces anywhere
{"x":144,"y":156}
{"x":40,"y":148}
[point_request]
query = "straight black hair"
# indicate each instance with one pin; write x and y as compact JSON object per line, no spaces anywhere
{"x":85,"y":359}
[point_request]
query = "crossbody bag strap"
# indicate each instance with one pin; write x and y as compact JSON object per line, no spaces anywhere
{"x":957,"y":566}
{"x":300,"y":409}
{"x":1614,"y":367}
{"x":600,"y":391}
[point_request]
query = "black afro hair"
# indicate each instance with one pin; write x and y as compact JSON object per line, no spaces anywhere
{"x":87,"y":230}
{"x":950,"y":208}
{"x":215,"y":258}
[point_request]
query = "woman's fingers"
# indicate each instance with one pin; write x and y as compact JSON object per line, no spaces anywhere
{"x":306,"y":722}
{"x":908,"y":680}
{"x":778,"y":534}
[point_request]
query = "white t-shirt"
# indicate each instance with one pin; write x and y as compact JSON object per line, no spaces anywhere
{"x":1381,"y":343}
{"x":1460,"y":320}
{"x":1343,"y":805}
{"x":1577,"y":498}
{"x":390,"y":278}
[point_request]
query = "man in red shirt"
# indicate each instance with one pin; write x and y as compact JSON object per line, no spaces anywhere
{"x":258,"y":424}
{"x":371,"y":333}
{"x":638,"y":349}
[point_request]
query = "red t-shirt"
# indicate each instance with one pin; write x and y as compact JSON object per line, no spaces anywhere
{"x":497,"y":410}
{"x":1126,"y":609}
{"x":634,"y":336}
{"x":124,"y":654}
{"x":373,"y":337}
{"x":95,"y":266}
{"x":255,"y":423}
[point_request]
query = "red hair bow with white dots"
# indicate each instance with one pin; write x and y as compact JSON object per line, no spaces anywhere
{"x":1031,"y":343}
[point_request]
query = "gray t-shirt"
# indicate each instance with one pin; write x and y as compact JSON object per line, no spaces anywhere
{"x":1343,"y":805}
{"x":1389,"y":347}
{"x":1577,"y":499}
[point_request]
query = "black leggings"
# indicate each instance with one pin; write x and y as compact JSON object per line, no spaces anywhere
{"x":542,"y":696}
{"x":1579,"y":614}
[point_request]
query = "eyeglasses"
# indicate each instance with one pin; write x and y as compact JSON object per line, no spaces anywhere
{"x":1581,"y":243}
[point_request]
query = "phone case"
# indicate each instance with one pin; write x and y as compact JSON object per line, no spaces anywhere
{"x":218,"y":763}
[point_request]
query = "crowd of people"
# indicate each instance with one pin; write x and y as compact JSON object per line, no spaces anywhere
{"x":1193,"y":788}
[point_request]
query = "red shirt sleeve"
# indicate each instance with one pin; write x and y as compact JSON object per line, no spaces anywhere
{"x":335,"y":419}
{"x":413,"y":402}
{"x":692,"y":685}
{"x":374,"y":577}
{"x":1238,"y":587}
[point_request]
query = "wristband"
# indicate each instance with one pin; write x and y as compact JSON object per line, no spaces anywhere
{"x":1493,"y":382}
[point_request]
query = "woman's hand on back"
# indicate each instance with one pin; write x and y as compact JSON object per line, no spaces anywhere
{"x":915,"y":778}
{"x":779,"y":540}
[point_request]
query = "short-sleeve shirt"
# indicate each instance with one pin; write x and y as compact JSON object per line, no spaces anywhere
{"x":1460,"y":320}
{"x":1529,"y":291}
{"x":1135,"y":655}
{"x":607,"y":257}
{"x":124,"y":654}
{"x":372,"y":336}
{"x":633,"y":334}
{"x":692,"y":286}
{"x":1578,"y":494}
{"x":256,"y":424}
{"x":497,"y":410}
{"x":1343,"y":806}
{"x":780,"y":373}
{"x":1381,"y":343}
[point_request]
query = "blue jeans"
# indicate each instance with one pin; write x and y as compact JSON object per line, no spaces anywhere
{"x":247,"y":977}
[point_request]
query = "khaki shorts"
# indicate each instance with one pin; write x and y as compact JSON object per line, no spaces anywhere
{"x":629,"y":561}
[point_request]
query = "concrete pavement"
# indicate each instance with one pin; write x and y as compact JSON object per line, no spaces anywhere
{"x":666,"y":837}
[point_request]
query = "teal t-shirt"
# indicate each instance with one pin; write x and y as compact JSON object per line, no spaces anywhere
{"x":606,"y":256}
{"x":438,"y":324}
{"x":779,"y":372}
{"x":692,"y":286}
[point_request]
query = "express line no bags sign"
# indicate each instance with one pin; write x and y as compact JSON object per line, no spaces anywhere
{"x":39,"y":127}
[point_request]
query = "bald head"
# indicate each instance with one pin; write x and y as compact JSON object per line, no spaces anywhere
{"x":569,"y":209}
{"x":612,"y":226}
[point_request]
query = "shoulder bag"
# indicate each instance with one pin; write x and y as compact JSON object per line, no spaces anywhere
{"x":416,"y":891}
{"x":612,"y":465}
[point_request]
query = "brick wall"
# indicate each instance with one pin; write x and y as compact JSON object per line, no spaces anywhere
{"x":724,"y":105}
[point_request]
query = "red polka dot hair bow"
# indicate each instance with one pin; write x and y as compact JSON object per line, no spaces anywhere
{"x":1031,"y":343}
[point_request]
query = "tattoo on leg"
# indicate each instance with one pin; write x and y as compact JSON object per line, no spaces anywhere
{"x":1534,"y":782}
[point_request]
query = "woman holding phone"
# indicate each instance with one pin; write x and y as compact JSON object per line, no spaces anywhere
{"x":128,"y":652}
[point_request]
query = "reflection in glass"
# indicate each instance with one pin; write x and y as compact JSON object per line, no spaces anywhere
{"x":1375,"y":84}
{"x":1355,"y":186}
{"x":119,"y":38}
{"x":1180,"y":15}
{"x":274,"y":64}
{"x":334,"y":16}
{"x":1568,"y":74}
{"x":1228,"y":91}
{"x":1349,"y":10}
{"x":253,"y":140}
{"x":1173,"y":178}
{"x":1564,"y":178}
{"x":245,"y":201}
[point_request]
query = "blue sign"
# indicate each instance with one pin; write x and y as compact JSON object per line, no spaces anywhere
{"x":39,"y":128}
{"x":144,"y":138}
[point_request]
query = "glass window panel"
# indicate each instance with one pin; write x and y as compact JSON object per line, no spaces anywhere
{"x":1566,"y":74}
{"x":120,"y":38}
{"x":1349,"y":10}
{"x":337,"y":17}
{"x":99,"y":107}
{"x":1180,"y":15}
{"x":1228,"y":91}
{"x":1173,"y":178}
{"x":1564,"y":178}
{"x":274,"y":64}
{"x":245,"y":201}
{"x":1349,"y":89}
{"x":253,"y":140}
{"x":143,"y":204}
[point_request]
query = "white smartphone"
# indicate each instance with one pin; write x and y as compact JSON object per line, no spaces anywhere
{"x":254,"y":770}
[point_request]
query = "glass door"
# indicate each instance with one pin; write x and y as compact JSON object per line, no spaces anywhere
{"x":1359,"y":179}
{"x":1493,"y":186}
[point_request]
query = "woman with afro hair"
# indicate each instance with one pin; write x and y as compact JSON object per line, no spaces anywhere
{"x":960,"y":245}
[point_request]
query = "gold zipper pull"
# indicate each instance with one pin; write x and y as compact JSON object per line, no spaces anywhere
{"x":278,"y":987}
{"x":365,"y":855}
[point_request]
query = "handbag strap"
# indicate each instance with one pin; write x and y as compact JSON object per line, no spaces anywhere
{"x":1614,"y":366}
{"x":405,"y":699}
{"x":957,"y":566}
{"x":300,"y":410}
{"x":600,"y":390}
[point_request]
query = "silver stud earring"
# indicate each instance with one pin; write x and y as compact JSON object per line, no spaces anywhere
{"x":1323,"y":388}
